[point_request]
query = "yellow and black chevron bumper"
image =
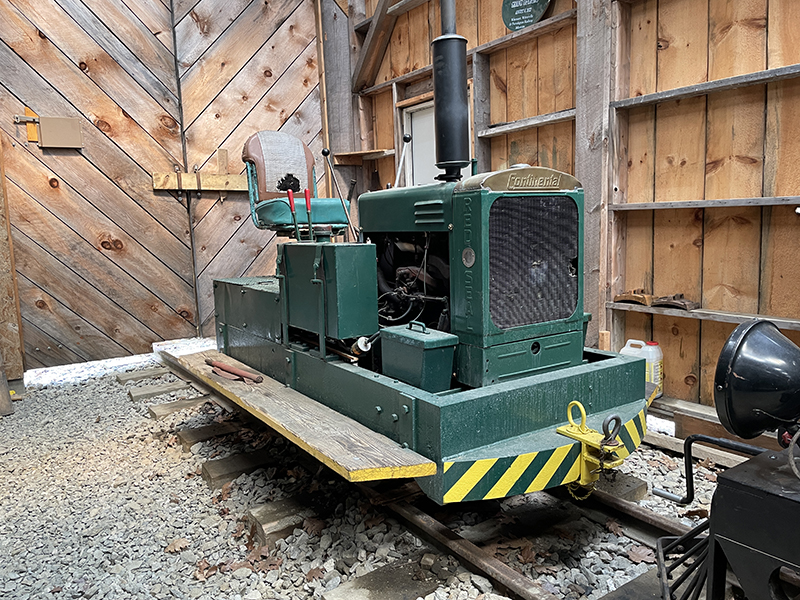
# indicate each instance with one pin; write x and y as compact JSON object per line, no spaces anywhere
{"x":508,"y":476}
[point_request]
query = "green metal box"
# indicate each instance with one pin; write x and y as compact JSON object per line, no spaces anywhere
{"x":331,"y":284}
{"x":418,"y":356}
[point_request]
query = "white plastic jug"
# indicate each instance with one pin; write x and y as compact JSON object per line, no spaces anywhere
{"x":651,"y":352}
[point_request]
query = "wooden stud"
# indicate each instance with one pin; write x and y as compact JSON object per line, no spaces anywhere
{"x":11,"y":345}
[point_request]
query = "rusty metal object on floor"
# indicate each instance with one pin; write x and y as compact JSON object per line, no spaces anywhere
{"x":235,"y":371}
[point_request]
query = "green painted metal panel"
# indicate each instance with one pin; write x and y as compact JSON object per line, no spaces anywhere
{"x":250,"y":303}
{"x":490,"y":414}
{"x":258,"y":352}
{"x":470,"y":274}
{"x":419,"y":208}
{"x":485,"y":366}
{"x":418,"y":356}
{"x":350,"y":287}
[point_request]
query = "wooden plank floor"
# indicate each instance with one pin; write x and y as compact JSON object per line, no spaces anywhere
{"x":346,"y":446}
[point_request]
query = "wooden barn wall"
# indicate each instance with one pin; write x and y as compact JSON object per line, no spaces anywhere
{"x":245,"y":66}
{"x":530,"y":78}
{"x":104,"y":264}
{"x":734,"y":144}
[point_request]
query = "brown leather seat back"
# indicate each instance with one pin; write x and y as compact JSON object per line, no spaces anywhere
{"x":276,"y":156}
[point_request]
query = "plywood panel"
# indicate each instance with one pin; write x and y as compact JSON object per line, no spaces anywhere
{"x":23,"y":38}
{"x":523,"y":147}
{"x":639,"y":251}
{"x":638,"y":326}
{"x":44,"y":351}
{"x":157,"y":17}
{"x":65,"y":204}
{"x":160,"y":84}
{"x":119,"y":180}
{"x":38,"y":265}
{"x":38,"y":224}
{"x":682,"y":43}
{"x":467,"y":21}
{"x":105,"y":260}
{"x":291,"y":75}
{"x":144,"y":45}
{"x":499,"y":153}
{"x":641,"y":147}
{"x":734,"y":167}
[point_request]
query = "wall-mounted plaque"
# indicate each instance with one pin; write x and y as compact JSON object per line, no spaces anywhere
{"x":521,"y":13}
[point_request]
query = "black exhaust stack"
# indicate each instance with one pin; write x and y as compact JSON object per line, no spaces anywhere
{"x":450,"y":99}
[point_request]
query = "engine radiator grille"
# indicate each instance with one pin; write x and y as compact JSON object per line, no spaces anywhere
{"x":533,"y":259}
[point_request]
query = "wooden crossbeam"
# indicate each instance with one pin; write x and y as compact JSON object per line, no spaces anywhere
{"x":371,"y":55}
{"x":208,"y":182}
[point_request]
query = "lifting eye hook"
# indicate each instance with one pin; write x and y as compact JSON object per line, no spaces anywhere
{"x":610,"y":438}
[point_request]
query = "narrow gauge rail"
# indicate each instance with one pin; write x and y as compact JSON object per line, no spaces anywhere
{"x":398,"y":498}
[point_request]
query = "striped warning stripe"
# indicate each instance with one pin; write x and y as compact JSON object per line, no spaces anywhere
{"x":632,"y":434}
{"x":501,"y":477}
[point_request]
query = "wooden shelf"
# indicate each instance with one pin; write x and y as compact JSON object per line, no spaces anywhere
{"x":708,"y":87}
{"x":769,"y":201}
{"x":499,"y":129}
{"x":357,"y":158}
{"x":404,"y":6}
{"x":704,"y":315}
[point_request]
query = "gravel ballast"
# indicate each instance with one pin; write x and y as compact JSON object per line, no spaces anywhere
{"x":99,"y":501}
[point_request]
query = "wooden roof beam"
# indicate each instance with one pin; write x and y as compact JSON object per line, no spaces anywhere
{"x":369,"y":60}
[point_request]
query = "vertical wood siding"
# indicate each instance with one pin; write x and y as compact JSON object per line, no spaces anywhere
{"x":735,"y":144}
{"x":528,"y":79}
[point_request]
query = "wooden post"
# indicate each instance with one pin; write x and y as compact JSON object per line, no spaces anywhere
{"x":6,"y":406}
{"x":591,"y":147}
{"x":11,"y":348}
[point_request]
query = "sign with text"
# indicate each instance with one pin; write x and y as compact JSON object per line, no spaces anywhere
{"x":521,"y":13}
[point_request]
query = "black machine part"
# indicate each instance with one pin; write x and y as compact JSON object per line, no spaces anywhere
{"x":450,"y":98}
{"x":689,"y":464}
{"x":757,"y":381}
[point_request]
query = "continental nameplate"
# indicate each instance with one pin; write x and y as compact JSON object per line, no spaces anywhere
{"x":522,"y":179}
{"x":531,"y":181}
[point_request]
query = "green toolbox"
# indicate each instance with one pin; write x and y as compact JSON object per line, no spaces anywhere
{"x":418,"y":356}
